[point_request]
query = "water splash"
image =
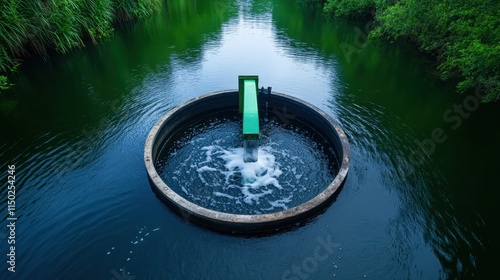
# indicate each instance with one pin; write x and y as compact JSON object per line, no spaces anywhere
{"x":252,"y":179}
{"x":206,"y":165}
{"x":251,"y":150}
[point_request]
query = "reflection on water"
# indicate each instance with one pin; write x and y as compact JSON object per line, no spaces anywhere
{"x":75,"y":127}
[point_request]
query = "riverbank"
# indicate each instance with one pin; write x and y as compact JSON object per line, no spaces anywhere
{"x":462,"y":35}
{"x":41,"y":27}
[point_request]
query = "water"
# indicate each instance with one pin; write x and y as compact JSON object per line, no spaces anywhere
{"x":206,"y":165}
{"x":75,"y":128}
{"x":250,"y":150}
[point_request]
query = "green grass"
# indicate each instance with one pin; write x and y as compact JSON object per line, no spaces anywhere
{"x":41,"y":26}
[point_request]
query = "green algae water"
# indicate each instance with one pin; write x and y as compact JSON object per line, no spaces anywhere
{"x":418,"y":203}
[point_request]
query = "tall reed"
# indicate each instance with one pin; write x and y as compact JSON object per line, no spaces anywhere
{"x":41,"y":26}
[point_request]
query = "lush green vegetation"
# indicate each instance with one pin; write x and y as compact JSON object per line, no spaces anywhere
{"x":463,"y":35}
{"x":42,"y":26}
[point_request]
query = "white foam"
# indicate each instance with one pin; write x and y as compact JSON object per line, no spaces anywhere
{"x":263,"y":172}
{"x":280,"y":203}
{"x":219,"y":194}
{"x":256,"y":177}
{"x":205,"y":168}
{"x":250,"y":197}
{"x":208,"y":154}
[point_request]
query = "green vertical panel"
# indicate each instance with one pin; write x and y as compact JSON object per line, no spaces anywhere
{"x":248,"y":106}
{"x":241,"y":80}
{"x":250,"y":110}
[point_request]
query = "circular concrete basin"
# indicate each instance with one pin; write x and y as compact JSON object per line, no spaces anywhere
{"x":290,"y":109}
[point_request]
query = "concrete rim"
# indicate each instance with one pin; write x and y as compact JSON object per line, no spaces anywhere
{"x":238,"y":222}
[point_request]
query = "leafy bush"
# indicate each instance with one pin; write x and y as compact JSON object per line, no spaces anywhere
{"x":3,"y":83}
{"x":349,"y":8}
{"x":463,"y":35}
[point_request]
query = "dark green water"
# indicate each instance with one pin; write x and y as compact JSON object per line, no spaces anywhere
{"x":75,"y":127}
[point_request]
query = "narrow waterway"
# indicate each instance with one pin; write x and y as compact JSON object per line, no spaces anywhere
{"x":418,"y":203}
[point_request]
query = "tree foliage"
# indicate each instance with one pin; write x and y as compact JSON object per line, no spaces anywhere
{"x":349,"y":8}
{"x":464,"y":35}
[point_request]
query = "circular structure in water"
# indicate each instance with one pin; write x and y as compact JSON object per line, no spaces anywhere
{"x":204,"y":163}
{"x":194,"y":160}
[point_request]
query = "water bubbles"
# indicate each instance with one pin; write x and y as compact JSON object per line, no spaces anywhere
{"x":211,"y":153}
{"x":134,"y":242}
{"x":109,"y":252}
{"x":241,"y":181}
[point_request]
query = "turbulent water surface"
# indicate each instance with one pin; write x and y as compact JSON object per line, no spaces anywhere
{"x":205,"y":164}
